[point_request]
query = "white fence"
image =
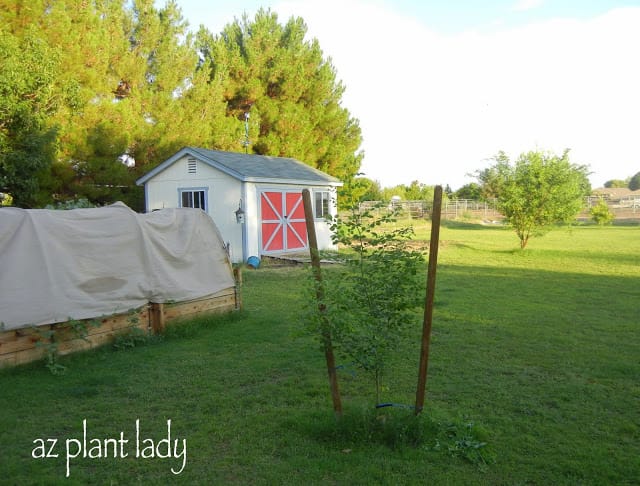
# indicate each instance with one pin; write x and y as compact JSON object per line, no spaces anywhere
{"x":627,"y":208}
{"x":451,"y":208}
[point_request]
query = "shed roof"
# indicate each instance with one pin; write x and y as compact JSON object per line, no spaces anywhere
{"x":250,"y":167}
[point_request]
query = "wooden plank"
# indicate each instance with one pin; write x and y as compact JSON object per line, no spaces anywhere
{"x":7,"y":360}
{"x":65,"y":331}
{"x":21,"y":339}
{"x":18,"y":346}
{"x":199,"y":306}
{"x":194,"y":306}
{"x":214,"y":306}
{"x":220,"y":302}
{"x":78,"y":344}
{"x":104,"y":334}
{"x":29,"y":355}
{"x":157,"y":315}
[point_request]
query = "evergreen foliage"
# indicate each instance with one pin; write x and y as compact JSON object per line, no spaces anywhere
{"x":289,"y":89}
{"x":88,"y":84}
{"x":27,"y":97}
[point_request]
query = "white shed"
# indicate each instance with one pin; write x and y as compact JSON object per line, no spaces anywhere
{"x":255,"y":200}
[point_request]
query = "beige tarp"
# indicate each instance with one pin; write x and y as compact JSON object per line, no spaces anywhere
{"x":86,"y":263}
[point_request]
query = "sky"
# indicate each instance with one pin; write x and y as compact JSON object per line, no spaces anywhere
{"x":440,"y":86}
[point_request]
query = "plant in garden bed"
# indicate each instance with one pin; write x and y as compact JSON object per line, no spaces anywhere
{"x":372,"y":298}
{"x":48,"y":337}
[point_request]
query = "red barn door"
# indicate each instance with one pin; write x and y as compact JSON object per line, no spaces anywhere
{"x":283,"y":226}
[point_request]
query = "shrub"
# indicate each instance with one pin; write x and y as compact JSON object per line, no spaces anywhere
{"x":601,"y":214}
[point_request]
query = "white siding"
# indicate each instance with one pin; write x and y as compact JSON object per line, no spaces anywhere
{"x":223,"y":197}
{"x":252,"y":220}
{"x":323,"y":231}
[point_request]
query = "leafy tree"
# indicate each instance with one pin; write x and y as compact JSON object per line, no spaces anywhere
{"x":370,"y":303}
{"x":537,"y":191}
{"x":616,"y":183}
{"x":372,"y":190}
{"x":100,"y":80}
{"x":143,"y":109}
{"x":469,"y":191}
{"x":360,"y":189}
{"x":27,"y":143}
{"x":400,"y":191}
{"x":289,"y":89}
{"x":417,"y":191}
{"x":634,"y":182}
{"x":87,"y":38}
{"x":491,"y":177}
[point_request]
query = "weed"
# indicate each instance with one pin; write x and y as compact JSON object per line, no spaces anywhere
{"x":47,"y":339}
{"x":466,"y":441}
{"x":133,"y":337}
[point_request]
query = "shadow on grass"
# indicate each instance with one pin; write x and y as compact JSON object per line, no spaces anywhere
{"x":193,"y":327}
{"x":576,"y":255}
{"x":547,"y":362}
{"x":455,"y":224}
{"x":501,"y":290}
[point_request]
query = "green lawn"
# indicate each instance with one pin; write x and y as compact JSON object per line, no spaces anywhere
{"x":535,"y":353}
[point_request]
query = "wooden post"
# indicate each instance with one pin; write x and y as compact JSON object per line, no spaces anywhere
{"x":237,"y":277}
{"x":157,"y":317}
{"x":430,"y":292}
{"x":325,"y":330}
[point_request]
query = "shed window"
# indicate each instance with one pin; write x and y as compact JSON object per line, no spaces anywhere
{"x":192,"y":165}
{"x":193,"y":198}
{"x":321,"y":204}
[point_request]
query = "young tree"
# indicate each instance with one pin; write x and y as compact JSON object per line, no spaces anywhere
{"x":538,"y":190}
{"x":601,"y":213}
{"x":371,"y":302}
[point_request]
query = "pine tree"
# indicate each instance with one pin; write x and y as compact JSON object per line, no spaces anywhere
{"x":289,"y":89}
{"x":27,"y":141}
{"x":122,"y":79}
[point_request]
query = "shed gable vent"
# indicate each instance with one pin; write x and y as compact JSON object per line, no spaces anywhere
{"x":192,"y":165}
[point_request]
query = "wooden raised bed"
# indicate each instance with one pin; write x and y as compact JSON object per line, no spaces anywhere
{"x":18,"y":346}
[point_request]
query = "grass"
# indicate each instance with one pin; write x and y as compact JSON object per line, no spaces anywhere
{"x":533,"y":379}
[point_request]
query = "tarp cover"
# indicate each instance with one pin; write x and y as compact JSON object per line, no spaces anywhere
{"x":86,"y":263}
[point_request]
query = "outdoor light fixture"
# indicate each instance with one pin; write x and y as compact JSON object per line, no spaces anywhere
{"x":239,"y":213}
